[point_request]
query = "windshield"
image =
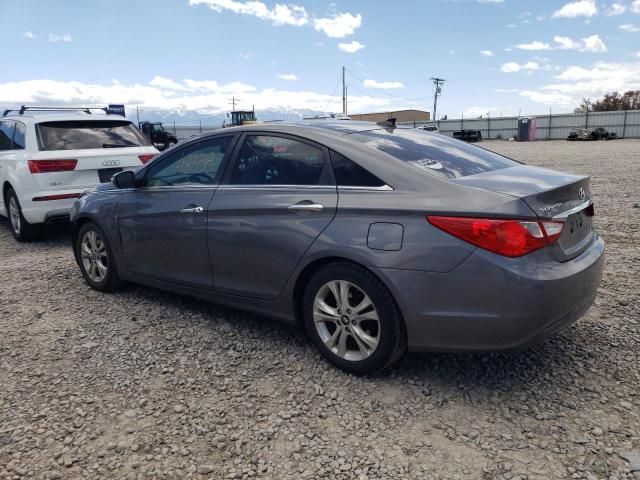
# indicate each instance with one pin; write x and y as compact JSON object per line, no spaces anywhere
{"x":81,"y":134}
{"x":433,"y":153}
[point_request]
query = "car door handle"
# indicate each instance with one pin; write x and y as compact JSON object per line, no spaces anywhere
{"x":306,"y":207}
{"x":192,"y":210}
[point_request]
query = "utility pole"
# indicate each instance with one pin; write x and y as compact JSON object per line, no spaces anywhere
{"x":344,"y":92}
{"x":138,"y":114}
{"x":233,"y":102}
{"x":437,"y":90}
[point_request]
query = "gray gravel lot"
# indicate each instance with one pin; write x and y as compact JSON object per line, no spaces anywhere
{"x":145,"y":384}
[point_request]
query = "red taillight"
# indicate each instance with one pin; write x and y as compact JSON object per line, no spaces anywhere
{"x":49,"y":166}
{"x":511,"y":238}
{"x":60,"y":196}
{"x":147,"y":157}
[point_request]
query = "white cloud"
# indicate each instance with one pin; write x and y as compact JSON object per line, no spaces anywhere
{"x":206,"y":96}
{"x":534,"y":46}
{"x":513,"y":67}
{"x":245,"y":56}
{"x":487,"y":53}
{"x":281,"y":14}
{"x":318,"y":44}
{"x":490,"y":1}
{"x":581,"y":8}
{"x":576,"y":82}
{"x":627,"y":27}
{"x":29,"y":34}
{"x":288,"y":76}
{"x":167,"y":83}
{"x":55,"y":38}
{"x":383,"y":85}
{"x":548,"y":98}
{"x":592,"y":43}
{"x":635,"y":7}
{"x":338,"y":26}
{"x":615,"y":9}
{"x":350,"y":47}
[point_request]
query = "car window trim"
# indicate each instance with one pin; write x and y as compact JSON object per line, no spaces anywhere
{"x":15,"y":129}
{"x":143,"y":173}
{"x":243,"y":135}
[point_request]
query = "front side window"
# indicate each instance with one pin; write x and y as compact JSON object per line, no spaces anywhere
{"x":271,"y":160}
{"x":197,"y":164}
{"x":434,"y":154}
{"x":81,"y":134}
{"x":18,"y":136}
{"x":6,"y":134}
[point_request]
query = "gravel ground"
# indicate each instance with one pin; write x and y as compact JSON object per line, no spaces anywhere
{"x":145,"y":384}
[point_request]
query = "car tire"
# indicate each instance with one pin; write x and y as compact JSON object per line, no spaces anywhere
{"x":95,"y":258}
{"x":362,"y":341}
{"x":169,"y":144}
{"x":22,"y":230}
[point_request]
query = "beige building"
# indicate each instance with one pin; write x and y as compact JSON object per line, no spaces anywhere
{"x":399,"y":115}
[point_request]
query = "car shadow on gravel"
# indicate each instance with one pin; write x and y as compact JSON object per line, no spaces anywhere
{"x":52,"y":234}
{"x":542,"y":366}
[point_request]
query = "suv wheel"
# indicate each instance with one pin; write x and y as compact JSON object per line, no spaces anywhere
{"x":353,"y":319}
{"x":95,"y":258}
{"x":22,"y":230}
{"x":169,"y":144}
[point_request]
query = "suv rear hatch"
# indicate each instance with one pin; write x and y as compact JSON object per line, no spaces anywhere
{"x":551,"y":195}
{"x":76,"y":154}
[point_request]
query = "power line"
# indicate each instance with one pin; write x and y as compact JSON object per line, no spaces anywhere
{"x":333,"y":94}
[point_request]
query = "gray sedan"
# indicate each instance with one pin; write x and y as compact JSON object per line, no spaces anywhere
{"x":376,"y":239}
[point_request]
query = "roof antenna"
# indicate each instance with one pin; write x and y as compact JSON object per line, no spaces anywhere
{"x":390,"y":122}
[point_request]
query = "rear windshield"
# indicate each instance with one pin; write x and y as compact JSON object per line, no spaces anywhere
{"x":433,"y":153}
{"x":79,"y":134}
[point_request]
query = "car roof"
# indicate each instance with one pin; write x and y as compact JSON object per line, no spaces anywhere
{"x":325,"y":127}
{"x":37,"y":117}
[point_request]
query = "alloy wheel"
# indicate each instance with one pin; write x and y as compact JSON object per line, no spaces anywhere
{"x":346,"y":320}
{"x":93,"y":252}
{"x":14,"y":215}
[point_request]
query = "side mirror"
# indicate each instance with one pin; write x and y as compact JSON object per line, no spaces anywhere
{"x":124,"y":179}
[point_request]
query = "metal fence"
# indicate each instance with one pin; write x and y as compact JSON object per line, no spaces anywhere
{"x":548,"y":127}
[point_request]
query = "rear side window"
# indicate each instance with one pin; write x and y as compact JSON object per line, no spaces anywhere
{"x":271,"y":160}
{"x":350,"y":174}
{"x":435,"y":154}
{"x":6,"y":133}
{"x":80,"y":134}
{"x":18,"y":136}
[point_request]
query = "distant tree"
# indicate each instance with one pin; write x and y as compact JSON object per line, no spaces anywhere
{"x":611,"y":102}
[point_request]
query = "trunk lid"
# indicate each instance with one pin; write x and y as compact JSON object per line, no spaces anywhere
{"x":552,"y":196}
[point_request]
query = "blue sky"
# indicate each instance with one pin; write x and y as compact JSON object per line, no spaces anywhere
{"x":498,"y":56}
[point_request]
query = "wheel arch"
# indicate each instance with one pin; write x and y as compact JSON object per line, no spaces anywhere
{"x":312,"y":267}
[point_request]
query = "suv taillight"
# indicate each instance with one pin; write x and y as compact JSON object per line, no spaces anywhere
{"x":49,"y":166}
{"x":146,"y":158}
{"x":511,"y":238}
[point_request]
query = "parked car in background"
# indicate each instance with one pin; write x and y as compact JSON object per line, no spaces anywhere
{"x":430,"y":128}
{"x":374,"y":238}
{"x":587,"y":134}
{"x":471,"y":136}
{"x":49,"y":156}
{"x":157,"y":135}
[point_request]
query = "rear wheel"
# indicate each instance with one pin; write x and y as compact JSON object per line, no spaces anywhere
{"x":353,"y":319}
{"x":96,"y":259}
{"x":22,"y":230}
{"x":169,"y":144}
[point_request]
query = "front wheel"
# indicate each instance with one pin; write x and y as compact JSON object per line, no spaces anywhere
{"x":96,"y":259}
{"x":169,"y":144}
{"x":353,"y":319}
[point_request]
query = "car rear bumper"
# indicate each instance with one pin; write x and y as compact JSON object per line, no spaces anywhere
{"x":47,"y":208}
{"x":493,"y":303}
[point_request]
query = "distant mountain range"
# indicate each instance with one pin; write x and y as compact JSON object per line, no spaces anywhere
{"x":192,"y":117}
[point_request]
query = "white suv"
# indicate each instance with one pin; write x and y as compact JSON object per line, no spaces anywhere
{"x":48,"y":159}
